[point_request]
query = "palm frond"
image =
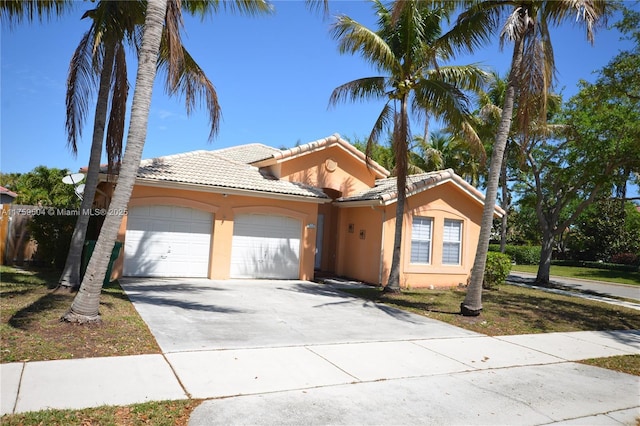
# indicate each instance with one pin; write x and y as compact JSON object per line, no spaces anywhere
{"x":81,"y":83}
{"x":354,"y":37}
{"x":171,"y":43}
{"x":13,"y":12}
{"x":515,"y":26}
{"x":383,"y":122}
{"x":466,"y":77}
{"x":318,"y":5}
{"x":204,"y":8}
{"x":367,"y":88}
{"x":474,"y":27}
{"x":193,"y":83}
{"x":590,"y":13}
{"x":442,"y":99}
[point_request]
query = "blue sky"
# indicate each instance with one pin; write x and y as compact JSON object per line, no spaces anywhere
{"x":273,"y":75}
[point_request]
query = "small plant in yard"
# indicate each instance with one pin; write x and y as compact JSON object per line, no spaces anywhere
{"x":496,"y":271}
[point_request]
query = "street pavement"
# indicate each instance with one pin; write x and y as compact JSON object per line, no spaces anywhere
{"x":308,"y":371}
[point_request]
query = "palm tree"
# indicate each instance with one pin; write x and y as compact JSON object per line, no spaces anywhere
{"x":530,"y":78}
{"x":102,"y":51}
{"x":85,"y":306}
{"x":406,"y":48}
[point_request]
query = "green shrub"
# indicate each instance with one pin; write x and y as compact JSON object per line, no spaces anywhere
{"x":521,"y":255}
{"x":497,"y":270}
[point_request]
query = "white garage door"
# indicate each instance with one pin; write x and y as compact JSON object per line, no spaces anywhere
{"x":265,"y":247}
{"x":167,"y":241}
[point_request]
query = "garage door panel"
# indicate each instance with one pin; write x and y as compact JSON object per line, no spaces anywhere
{"x":265,"y":246}
{"x":167,"y":241}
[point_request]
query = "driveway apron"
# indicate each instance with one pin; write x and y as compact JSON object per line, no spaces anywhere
{"x":199,"y":314}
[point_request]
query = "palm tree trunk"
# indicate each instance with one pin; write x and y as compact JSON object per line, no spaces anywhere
{"x":85,"y":306}
{"x":401,"y":136}
{"x":505,"y":205}
{"x":71,"y":274}
{"x":472,"y":304}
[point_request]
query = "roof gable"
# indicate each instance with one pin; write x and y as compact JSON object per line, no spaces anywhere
{"x":322,"y":144}
{"x":385,"y":191}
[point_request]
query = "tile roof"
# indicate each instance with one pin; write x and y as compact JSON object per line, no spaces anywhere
{"x":386,"y":190}
{"x":209,"y":168}
{"x":8,"y":192}
{"x":249,"y":153}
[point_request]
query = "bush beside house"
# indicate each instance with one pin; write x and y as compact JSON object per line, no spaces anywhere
{"x":497,"y":269}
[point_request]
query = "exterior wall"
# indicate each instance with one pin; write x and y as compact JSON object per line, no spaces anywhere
{"x":332,"y":167}
{"x":224,"y":209}
{"x":360,"y":239}
{"x":328,"y":255}
{"x":446,"y":201}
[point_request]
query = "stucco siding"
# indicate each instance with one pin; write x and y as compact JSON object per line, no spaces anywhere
{"x":360,"y":235}
{"x":332,"y":168}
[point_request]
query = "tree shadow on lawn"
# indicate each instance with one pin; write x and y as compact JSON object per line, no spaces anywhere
{"x":35,"y":311}
{"x":54,"y":303}
{"x":29,"y":278}
{"x":546,"y":312}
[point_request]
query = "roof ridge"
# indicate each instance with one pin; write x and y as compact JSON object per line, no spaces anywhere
{"x":149,"y":161}
{"x":216,"y":154}
{"x":229,"y":148}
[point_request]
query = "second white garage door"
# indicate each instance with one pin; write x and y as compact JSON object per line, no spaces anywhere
{"x":265,"y":246}
{"x":167,"y":241}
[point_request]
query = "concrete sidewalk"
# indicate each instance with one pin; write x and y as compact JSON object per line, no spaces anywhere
{"x":524,"y":379}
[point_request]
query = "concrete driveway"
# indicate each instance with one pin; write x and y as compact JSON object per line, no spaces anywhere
{"x":199,"y":314}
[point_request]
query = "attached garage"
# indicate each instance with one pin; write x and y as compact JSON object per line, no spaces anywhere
{"x":265,"y":246}
{"x":167,"y":241}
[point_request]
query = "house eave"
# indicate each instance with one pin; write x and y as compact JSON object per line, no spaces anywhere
{"x":360,"y":203}
{"x":230,"y":191}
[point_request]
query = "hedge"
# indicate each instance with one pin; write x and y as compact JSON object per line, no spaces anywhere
{"x":521,"y":255}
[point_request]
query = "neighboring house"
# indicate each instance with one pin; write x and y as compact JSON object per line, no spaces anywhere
{"x":253,"y":211}
{"x":6,"y":198}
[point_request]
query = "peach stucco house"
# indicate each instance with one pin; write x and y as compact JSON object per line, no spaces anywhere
{"x":253,"y":211}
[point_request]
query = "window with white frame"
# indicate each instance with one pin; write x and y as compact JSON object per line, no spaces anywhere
{"x":421,"y":231}
{"x":451,"y":242}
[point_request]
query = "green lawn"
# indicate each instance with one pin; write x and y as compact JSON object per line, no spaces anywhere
{"x":620,"y":277}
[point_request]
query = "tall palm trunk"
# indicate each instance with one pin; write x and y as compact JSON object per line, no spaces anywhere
{"x":85,"y":306}
{"x":472,"y":304}
{"x":401,"y":138}
{"x":71,"y":274}
{"x":505,"y":205}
